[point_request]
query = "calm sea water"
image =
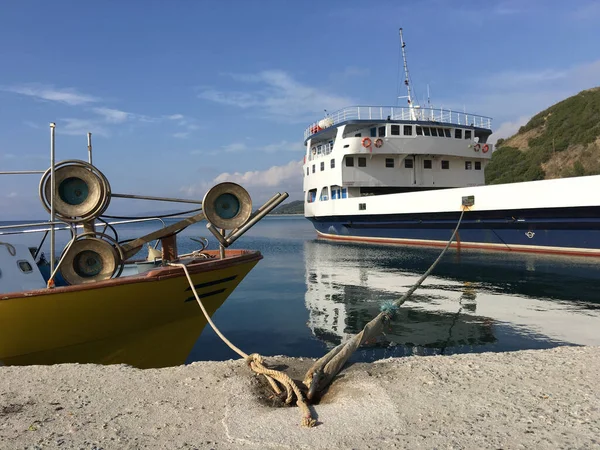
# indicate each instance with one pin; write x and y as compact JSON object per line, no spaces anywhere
{"x":308,"y":295}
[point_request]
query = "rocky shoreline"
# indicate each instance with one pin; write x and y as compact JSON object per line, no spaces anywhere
{"x":524,"y":399}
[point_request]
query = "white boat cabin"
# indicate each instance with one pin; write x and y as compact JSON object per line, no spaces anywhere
{"x":18,"y":270}
{"x":360,"y":151}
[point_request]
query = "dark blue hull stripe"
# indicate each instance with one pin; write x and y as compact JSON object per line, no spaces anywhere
{"x":205,"y":295}
{"x":212,"y":283}
{"x":568,"y":228}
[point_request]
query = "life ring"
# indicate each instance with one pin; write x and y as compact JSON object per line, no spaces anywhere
{"x":379,"y":143}
{"x":485,"y":148}
{"x":476,"y":147}
{"x":366,"y":142}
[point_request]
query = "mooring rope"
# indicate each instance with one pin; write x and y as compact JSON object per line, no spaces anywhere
{"x":256,"y":363}
{"x":326,"y":368}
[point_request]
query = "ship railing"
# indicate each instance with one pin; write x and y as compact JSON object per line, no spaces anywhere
{"x":439,"y":115}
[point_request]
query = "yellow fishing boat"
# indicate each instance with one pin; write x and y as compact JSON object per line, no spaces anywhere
{"x":95,"y":303}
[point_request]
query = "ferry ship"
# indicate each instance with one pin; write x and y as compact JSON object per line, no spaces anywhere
{"x":403,"y":175}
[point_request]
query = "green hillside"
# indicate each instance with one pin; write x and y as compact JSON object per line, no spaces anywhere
{"x":294,"y":207}
{"x":562,"y":141}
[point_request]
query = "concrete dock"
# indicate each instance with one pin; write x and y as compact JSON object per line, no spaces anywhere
{"x":526,"y":399}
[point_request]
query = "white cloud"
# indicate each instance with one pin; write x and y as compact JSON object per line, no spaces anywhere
{"x":113,"y":115}
{"x":277,"y":96}
{"x":510,"y":96}
{"x":77,"y":127}
{"x":272,"y":177}
{"x":181,"y":135}
{"x":507,"y":129}
{"x":174,"y":117}
{"x":70,"y":96}
{"x":12,"y":195}
{"x":261,"y":184}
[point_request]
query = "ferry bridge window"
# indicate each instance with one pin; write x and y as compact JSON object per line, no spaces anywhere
{"x":344,"y":192}
{"x":313,"y":169}
{"x":445,"y":164}
{"x":467,"y":134}
{"x":349,"y":161}
{"x":312,"y":195}
{"x":427,"y":164}
{"x":307,"y":171}
{"x":373,"y":132}
{"x":324,"y":194}
{"x":408,"y":163}
{"x":433,"y":132}
{"x":362,"y":162}
{"x":362,"y":206}
{"x":382,"y":131}
{"x":426,"y":131}
{"x":395,"y":130}
{"x":458,"y":133}
{"x":447,"y":132}
{"x":468,"y":165}
{"x":419,"y":131}
{"x":332,"y":163}
{"x":407,"y":130}
{"x":440,"y":132}
{"x":389,"y":162}
{"x":477,"y":165}
{"x":358,"y":135}
{"x":322,"y":166}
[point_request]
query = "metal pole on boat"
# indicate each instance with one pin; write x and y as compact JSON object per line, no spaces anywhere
{"x":52,"y":189}
{"x":221,"y":246}
{"x":89,"y":135}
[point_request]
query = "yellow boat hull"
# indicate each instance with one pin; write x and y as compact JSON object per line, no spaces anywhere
{"x":149,"y":320}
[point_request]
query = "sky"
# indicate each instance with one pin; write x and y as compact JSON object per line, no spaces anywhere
{"x":180,"y":95}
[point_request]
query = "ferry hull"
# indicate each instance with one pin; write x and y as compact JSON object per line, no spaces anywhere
{"x":536,"y":233}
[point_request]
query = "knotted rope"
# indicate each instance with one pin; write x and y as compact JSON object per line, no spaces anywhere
{"x":256,"y":363}
{"x":327,"y":367}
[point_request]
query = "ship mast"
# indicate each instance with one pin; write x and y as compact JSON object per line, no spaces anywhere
{"x":406,"y":77}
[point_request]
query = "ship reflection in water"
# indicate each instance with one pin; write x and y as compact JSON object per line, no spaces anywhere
{"x":473,"y":302}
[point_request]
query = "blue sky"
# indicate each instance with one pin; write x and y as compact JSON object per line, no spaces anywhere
{"x":182,"y":94}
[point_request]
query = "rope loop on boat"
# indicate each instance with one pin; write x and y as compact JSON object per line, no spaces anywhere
{"x":256,"y":363}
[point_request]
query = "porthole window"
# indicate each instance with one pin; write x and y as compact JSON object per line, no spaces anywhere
{"x":25,"y":266}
